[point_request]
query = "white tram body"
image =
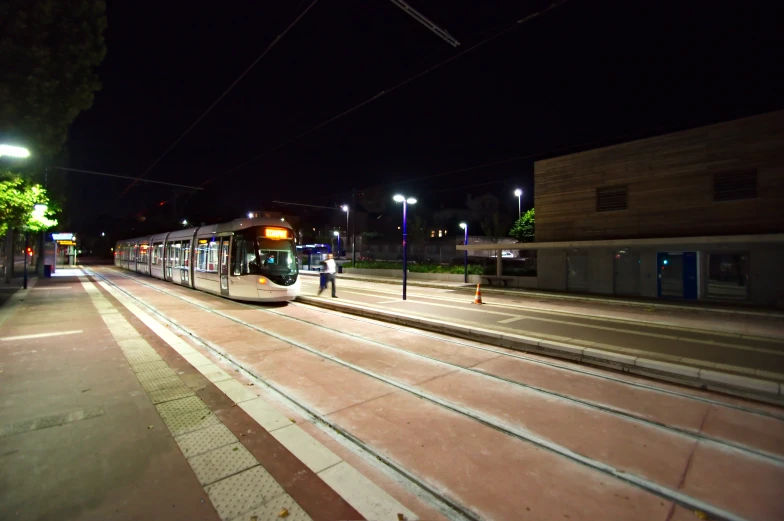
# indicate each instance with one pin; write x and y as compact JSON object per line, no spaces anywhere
{"x":246,"y":259}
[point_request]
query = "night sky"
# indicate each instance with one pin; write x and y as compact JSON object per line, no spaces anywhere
{"x":585,"y":74}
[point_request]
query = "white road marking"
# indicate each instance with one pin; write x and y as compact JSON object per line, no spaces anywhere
{"x":510,"y":320}
{"x":40,"y":335}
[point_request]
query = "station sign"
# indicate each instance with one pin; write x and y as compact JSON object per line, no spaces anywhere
{"x":66,"y":243}
{"x":62,"y":237}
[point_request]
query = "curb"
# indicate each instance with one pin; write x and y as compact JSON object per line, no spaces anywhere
{"x":559,"y":296}
{"x":739,"y":385}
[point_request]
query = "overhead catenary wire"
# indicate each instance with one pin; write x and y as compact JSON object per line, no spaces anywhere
{"x":104,"y":174}
{"x":393,"y":88}
{"x":214,"y":103}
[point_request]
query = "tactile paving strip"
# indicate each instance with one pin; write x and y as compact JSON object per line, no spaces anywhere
{"x":156,"y":374}
{"x":172,"y":393}
{"x":221,"y":463}
{"x":140,"y":367}
{"x":182,"y":407}
{"x":205,"y":440}
{"x":242,"y":492}
{"x":159,"y":384}
{"x":136,"y":343}
{"x":193,"y":421}
{"x":272,"y":511}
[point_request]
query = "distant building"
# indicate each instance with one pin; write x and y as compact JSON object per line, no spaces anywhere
{"x":697,"y":214}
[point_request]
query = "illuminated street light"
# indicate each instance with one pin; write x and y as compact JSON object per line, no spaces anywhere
{"x":345,"y":208}
{"x":103,"y":234}
{"x":519,"y":194}
{"x":185,"y":222}
{"x":336,"y":233}
{"x":406,"y":201}
{"x":250,"y":215}
{"x":465,"y":253}
{"x":13,"y":151}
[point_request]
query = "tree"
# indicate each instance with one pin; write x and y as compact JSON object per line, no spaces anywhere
{"x":49,"y":50}
{"x":494,"y":227}
{"x":523,"y":230}
{"x":22,"y":205}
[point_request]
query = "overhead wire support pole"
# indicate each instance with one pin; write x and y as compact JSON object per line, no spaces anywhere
{"x":419,"y":17}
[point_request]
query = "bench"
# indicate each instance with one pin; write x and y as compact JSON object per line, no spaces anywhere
{"x":497,"y":278}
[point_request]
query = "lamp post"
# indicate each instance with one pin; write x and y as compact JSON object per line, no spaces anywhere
{"x":336,"y":233}
{"x":519,"y":194}
{"x":18,"y":152}
{"x":406,"y":201}
{"x":345,"y":208}
{"x":464,"y":226}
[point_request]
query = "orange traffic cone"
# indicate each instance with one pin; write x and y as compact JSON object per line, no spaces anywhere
{"x":478,"y":297}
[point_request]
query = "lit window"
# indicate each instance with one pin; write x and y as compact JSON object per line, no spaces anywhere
{"x":432,"y":233}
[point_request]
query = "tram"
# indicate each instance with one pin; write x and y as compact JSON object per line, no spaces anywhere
{"x":252,"y":259}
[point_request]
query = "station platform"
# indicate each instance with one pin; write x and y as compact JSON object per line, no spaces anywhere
{"x":102,"y":419}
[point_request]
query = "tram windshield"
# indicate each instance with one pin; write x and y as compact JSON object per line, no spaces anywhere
{"x":276,"y":259}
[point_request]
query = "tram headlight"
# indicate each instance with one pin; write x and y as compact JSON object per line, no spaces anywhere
{"x":262,"y":280}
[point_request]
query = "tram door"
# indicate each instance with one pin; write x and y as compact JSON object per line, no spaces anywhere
{"x":185,"y":263}
{"x":224,"y":265}
{"x":173,"y":268}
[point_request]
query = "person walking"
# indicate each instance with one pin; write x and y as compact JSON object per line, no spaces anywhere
{"x":329,"y":274}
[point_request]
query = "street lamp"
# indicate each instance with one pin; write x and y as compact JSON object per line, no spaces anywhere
{"x":519,"y":194}
{"x":336,"y":233}
{"x":345,"y":208}
{"x":406,"y":201}
{"x":465,"y":253}
{"x":13,"y":151}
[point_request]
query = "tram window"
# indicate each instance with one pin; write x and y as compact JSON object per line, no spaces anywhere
{"x":202,"y":251}
{"x":143,"y":249}
{"x":242,"y":256}
{"x":212,"y":261}
{"x":174,"y":255}
{"x":186,"y":254}
{"x":157,"y":254}
{"x":276,"y":256}
{"x":207,"y":259}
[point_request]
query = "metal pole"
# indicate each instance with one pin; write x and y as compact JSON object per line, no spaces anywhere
{"x":519,"y":208}
{"x":25,"y":261}
{"x":347,"y":229}
{"x":354,"y":228}
{"x":405,"y":247}
{"x":465,"y":257}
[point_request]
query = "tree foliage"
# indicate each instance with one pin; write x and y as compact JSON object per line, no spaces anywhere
{"x":523,"y":229}
{"x":21,"y":205}
{"x":49,"y":50}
